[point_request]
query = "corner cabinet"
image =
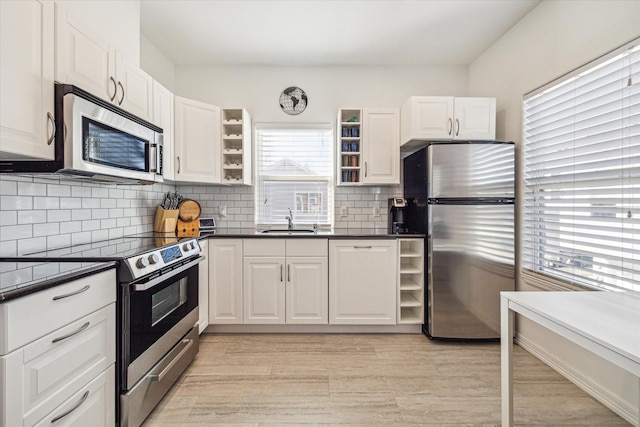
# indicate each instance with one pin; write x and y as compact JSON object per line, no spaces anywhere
{"x":362,"y":282}
{"x":368,"y":146}
{"x":410,"y":281}
{"x":196,"y":142}
{"x":236,"y":146}
{"x":445,"y":118}
{"x":26,"y":80}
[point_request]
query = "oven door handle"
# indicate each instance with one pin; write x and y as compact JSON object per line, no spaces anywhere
{"x":151,"y":283}
{"x":187,"y":343}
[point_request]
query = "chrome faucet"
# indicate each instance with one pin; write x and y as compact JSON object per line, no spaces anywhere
{"x":290,"y":220}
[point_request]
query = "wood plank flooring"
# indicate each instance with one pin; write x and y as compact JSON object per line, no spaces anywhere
{"x":366,"y":380}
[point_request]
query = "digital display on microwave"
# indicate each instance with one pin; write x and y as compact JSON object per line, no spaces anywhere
{"x":108,"y":146}
{"x":170,"y":254}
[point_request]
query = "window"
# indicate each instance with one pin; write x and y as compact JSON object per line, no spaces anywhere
{"x":294,"y":170}
{"x":582,"y":175}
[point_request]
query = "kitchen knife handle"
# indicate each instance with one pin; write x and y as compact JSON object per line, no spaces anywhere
{"x":53,"y":127}
{"x":115,"y":88}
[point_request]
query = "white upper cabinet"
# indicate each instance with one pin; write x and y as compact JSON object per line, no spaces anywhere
{"x":86,"y":60}
{"x":197,"y":142}
{"x":26,"y":80}
{"x":438,"y":118}
{"x":163,"y":116}
{"x":368,"y":146}
{"x":381,"y":143}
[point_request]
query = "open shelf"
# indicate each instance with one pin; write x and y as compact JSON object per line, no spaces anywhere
{"x":236,"y":146}
{"x":349,"y":146}
{"x":411,"y":281}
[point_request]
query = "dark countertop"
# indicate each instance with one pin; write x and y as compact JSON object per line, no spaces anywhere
{"x":336,"y":233}
{"x":21,"y":278}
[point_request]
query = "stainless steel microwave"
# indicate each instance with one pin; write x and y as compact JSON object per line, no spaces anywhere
{"x":98,"y":141}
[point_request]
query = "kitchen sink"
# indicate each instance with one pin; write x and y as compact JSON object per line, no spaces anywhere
{"x":285,"y":231}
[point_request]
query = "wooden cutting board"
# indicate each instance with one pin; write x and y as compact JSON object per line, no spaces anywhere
{"x":189,"y":210}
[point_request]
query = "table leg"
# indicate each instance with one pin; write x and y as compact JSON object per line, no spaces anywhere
{"x":506,"y":357}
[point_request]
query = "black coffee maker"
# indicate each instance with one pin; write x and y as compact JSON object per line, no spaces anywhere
{"x":397,"y":206}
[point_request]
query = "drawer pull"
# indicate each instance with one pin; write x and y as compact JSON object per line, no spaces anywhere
{"x":187,"y":345}
{"x":363,"y":247}
{"x":69,"y":335}
{"x":70,"y":294}
{"x":64,"y":414}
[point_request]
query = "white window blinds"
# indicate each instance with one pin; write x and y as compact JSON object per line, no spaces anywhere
{"x":582,"y":176}
{"x":294,"y":170}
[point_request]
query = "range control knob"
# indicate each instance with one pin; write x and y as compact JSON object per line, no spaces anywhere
{"x":185,"y":247}
{"x":142,"y":262}
{"x":193,"y":245}
{"x":154,"y":258}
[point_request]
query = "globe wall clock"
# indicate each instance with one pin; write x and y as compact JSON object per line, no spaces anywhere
{"x":293,"y":100}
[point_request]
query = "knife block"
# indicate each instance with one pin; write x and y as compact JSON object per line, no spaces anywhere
{"x":165,"y":220}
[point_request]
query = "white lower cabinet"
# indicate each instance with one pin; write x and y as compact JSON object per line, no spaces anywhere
{"x":285,"y":281}
{"x":362,"y":282}
{"x":64,"y":364}
{"x":225,"y":281}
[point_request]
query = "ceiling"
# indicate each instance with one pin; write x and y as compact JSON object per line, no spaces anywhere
{"x":328,"y":32}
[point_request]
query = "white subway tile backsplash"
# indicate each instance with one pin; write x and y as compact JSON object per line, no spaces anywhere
{"x":8,"y":218}
{"x":46,"y":229}
{"x":90,"y":203}
{"x":35,"y":244}
{"x":80,"y":214}
{"x":91,"y":225}
{"x":58,"y":190}
{"x":70,"y":203}
{"x":107,"y":203}
{"x":59,"y":215}
{"x":77,"y":191}
{"x":16,"y":232}
{"x":32,"y":217}
{"x":19,"y":203}
{"x":8,"y":188}
{"x":58,"y":241}
{"x":31,"y":189}
{"x":70,"y":227}
{"x":98,"y":192}
{"x":9,"y":248}
{"x":46,"y":203}
{"x":99,"y":213}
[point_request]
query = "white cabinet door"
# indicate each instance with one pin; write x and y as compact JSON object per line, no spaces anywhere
{"x":26,"y":79}
{"x":135,"y":88}
{"x":427,"y":118}
{"x":83,"y":58}
{"x":381,"y":145}
{"x":203,"y":287}
{"x":264,"y":290}
{"x":362,"y":282}
{"x":475,"y":119}
{"x":163,"y":117}
{"x":225,"y":281}
{"x":307,"y":290}
{"x":197,"y":142}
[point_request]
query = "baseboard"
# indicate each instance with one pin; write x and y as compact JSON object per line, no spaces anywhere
{"x":604,"y":396}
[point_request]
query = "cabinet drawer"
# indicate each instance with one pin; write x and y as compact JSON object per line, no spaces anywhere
{"x":264,"y":247}
{"x":93,"y":405}
{"x":307,"y":247}
{"x":43,"y":374}
{"x":31,"y":317}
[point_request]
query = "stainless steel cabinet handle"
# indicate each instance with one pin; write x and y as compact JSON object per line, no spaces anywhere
{"x":457,"y":127}
{"x":160,"y":376}
{"x":121,"y":88}
{"x":281,"y":269}
{"x":53,"y":128}
{"x":365,"y":169}
{"x":70,"y":334}
{"x":178,"y":171}
{"x":363,"y":247}
{"x":70,"y":294}
{"x":77,"y":405}
{"x":450,"y":127}
{"x":288,"y":272}
{"x":115,"y":88}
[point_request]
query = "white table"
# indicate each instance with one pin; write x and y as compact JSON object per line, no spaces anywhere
{"x":605,"y":323}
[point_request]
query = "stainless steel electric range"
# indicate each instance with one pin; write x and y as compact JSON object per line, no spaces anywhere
{"x":157,"y":312}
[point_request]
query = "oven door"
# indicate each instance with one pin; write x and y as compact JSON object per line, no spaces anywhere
{"x":158,"y":312}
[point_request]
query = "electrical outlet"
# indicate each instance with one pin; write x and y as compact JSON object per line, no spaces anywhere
{"x":376,"y":211}
{"x":223,"y":211}
{"x":343,"y":211}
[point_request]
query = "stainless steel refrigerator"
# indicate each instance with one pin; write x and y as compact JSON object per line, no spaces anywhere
{"x":461,"y":195}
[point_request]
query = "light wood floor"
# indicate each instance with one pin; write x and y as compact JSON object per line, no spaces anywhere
{"x":366,"y":380}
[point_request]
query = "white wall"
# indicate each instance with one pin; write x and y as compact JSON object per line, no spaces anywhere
{"x":117,"y":21}
{"x":553,"y":39}
{"x":157,"y":64}
{"x":329,"y":88}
